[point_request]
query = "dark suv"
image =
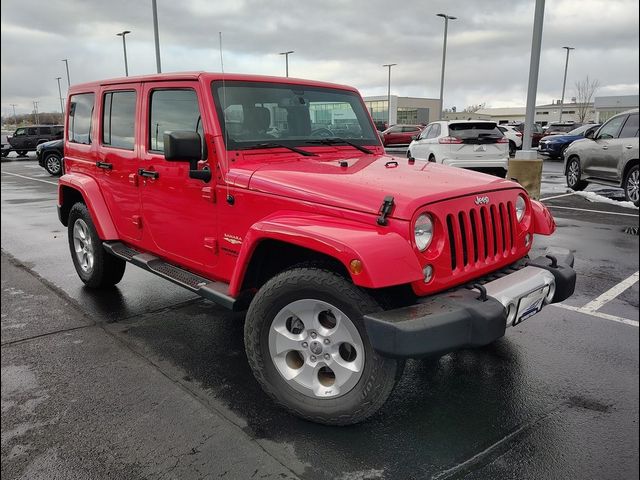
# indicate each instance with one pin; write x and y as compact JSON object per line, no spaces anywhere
{"x":26,"y":139}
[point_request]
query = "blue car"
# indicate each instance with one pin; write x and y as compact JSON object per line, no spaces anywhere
{"x":553,"y":146}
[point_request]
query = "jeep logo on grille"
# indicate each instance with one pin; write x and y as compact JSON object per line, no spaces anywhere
{"x":482,"y":200}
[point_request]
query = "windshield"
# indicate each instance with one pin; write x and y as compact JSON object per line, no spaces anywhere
{"x":580,"y":130}
{"x":259,"y":112}
{"x":561,"y":128}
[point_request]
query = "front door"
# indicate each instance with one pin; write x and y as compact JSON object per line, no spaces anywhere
{"x":179,"y":215}
{"x":602,"y":160}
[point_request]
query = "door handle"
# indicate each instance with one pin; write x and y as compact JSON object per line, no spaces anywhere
{"x":148,"y":173}
{"x":105,"y":165}
{"x":628,"y":146}
{"x":605,"y":148}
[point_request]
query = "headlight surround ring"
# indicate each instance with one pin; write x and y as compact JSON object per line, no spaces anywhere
{"x":423,"y":231}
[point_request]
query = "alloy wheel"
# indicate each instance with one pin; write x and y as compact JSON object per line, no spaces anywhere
{"x":83,"y":246}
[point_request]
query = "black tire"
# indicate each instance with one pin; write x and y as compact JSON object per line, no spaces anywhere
{"x":512,"y":148}
{"x":5,"y":153}
{"x":53,"y":164}
{"x":408,"y":153}
{"x":630,"y":185}
{"x":21,"y":153}
{"x":379,"y":374}
{"x":573,"y":175}
{"x":432,"y":158}
{"x":106,"y":269}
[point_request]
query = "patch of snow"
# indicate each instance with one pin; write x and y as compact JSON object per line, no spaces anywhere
{"x":594,"y":197}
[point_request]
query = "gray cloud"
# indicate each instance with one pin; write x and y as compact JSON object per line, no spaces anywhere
{"x":335,"y":40}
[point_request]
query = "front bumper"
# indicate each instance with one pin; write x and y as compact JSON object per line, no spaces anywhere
{"x":466,"y":318}
{"x":550,"y":149}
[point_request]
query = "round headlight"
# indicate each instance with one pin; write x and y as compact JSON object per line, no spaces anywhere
{"x":521,"y":207}
{"x":423,"y":231}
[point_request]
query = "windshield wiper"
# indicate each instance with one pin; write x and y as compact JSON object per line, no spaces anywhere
{"x":338,"y":140}
{"x":260,"y":146}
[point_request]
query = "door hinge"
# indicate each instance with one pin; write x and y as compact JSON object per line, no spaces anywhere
{"x":210,"y":243}
{"x":209,"y":193}
{"x":137,"y":221}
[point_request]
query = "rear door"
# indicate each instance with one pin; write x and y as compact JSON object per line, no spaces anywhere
{"x":178,"y":212}
{"x":117,"y":158}
{"x":628,"y":140}
{"x":479,"y":140}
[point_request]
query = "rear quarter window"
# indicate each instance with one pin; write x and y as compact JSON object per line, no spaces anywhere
{"x":80,"y":113}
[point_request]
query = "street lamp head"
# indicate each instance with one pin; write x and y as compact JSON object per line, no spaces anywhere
{"x":389,"y":64}
{"x":569,"y":48}
{"x":287,"y":53}
{"x":122,"y":34}
{"x":445,"y":16}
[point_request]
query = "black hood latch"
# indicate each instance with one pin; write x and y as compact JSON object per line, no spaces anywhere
{"x":385,"y":209}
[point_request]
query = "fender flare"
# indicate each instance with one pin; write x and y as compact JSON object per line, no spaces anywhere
{"x":543,"y":222}
{"x":388,"y":258}
{"x":93,"y":199}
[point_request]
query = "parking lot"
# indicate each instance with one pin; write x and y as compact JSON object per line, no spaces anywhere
{"x":148,"y":380}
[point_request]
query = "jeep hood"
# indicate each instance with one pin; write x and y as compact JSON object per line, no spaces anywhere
{"x":362,"y":183}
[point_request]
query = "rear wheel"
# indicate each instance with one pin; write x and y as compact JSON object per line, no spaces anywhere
{"x":512,"y":148}
{"x":631,"y":186}
{"x":53,"y":164}
{"x":308,"y":348}
{"x":21,"y":153}
{"x":432,"y":158}
{"x":95,"y":267}
{"x":574,"y":174}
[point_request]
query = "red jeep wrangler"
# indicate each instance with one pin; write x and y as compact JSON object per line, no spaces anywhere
{"x":239,"y":188}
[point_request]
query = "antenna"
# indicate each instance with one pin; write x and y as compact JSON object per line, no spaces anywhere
{"x":230,"y":199}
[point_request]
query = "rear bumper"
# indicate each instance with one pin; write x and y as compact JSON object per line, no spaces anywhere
{"x":466,"y":318}
{"x":477,"y":164}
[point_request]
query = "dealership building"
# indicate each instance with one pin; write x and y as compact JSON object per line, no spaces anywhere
{"x":409,"y":110}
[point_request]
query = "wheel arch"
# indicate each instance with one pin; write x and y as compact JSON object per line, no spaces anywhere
{"x":629,"y":165}
{"x":326,"y":240}
{"x":76,"y":188}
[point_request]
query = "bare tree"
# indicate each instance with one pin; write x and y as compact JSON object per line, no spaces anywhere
{"x":585,"y":91}
{"x":474,"y":108}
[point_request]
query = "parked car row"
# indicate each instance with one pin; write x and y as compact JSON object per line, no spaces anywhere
{"x":553,"y":146}
{"x":26,"y":139}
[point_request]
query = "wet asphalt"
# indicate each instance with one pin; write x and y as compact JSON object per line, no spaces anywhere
{"x":148,"y":381}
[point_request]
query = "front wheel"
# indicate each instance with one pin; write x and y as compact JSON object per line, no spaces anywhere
{"x":631,"y":186}
{"x":21,"y":153}
{"x":95,"y":267}
{"x":512,"y":148}
{"x":308,"y":348}
{"x":574,"y":174}
{"x":53,"y":164}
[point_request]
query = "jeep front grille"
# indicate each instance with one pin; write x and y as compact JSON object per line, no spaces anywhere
{"x":484,"y":234}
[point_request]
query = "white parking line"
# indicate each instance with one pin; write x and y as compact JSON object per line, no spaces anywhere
{"x":557,"y":196}
{"x":595,"y":211}
{"x":30,"y":178}
{"x":612,"y":293}
{"x":606,"y":316}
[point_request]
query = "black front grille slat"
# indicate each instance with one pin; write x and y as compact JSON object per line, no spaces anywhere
{"x":463,"y":235}
{"x":512,"y":226}
{"x":485,"y":238}
{"x":452,"y":242}
{"x":494,"y":230}
{"x":474,"y":233}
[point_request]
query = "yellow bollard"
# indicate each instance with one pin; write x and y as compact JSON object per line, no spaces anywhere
{"x":526,"y":169}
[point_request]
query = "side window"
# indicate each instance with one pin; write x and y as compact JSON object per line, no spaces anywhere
{"x":435,"y":131}
{"x":395,"y":129}
{"x":19,"y":132}
{"x":32,"y":131}
{"x":80,"y":112}
{"x":630,"y":128}
{"x":611,"y":128}
{"x":45,"y":130}
{"x":425,"y":132}
{"x":172,"y":110}
{"x":118,"y":119}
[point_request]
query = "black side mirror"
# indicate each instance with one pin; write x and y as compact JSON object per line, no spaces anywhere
{"x":414,"y":137}
{"x":590,"y":134}
{"x":186,"y":146}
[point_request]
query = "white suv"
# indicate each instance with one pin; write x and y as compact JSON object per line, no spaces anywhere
{"x":473,"y":144}
{"x":514,"y":136}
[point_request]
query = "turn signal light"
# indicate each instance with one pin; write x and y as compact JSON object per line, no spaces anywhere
{"x":355,"y":266}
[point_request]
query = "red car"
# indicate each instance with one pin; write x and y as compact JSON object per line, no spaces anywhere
{"x":346,"y":260}
{"x":400,"y":134}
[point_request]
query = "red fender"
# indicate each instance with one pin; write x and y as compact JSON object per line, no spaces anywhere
{"x":543,"y":222}
{"x":94,"y":200}
{"x":388,"y":259}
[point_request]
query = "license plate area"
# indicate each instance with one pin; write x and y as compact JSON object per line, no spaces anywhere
{"x":530,"y":304}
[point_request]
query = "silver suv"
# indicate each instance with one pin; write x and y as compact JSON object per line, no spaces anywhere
{"x":608,"y":157}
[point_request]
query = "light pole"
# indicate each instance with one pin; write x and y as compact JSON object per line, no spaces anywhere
{"x":66,"y":63}
{"x":35,"y":112}
{"x":389,"y":65}
{"x":286,"y":60}
{"x":15,"y":119}
{"x":444,"y":57}
{"x":564,"y":82}
{"x":60,"y":95}
{"x":124,"y":47}
{"x":156,"y":36}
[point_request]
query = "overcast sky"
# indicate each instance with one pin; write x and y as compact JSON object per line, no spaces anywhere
{"x":340,"y":41}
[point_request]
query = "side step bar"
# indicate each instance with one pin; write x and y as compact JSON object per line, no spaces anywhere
{"x":211,"y":290}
